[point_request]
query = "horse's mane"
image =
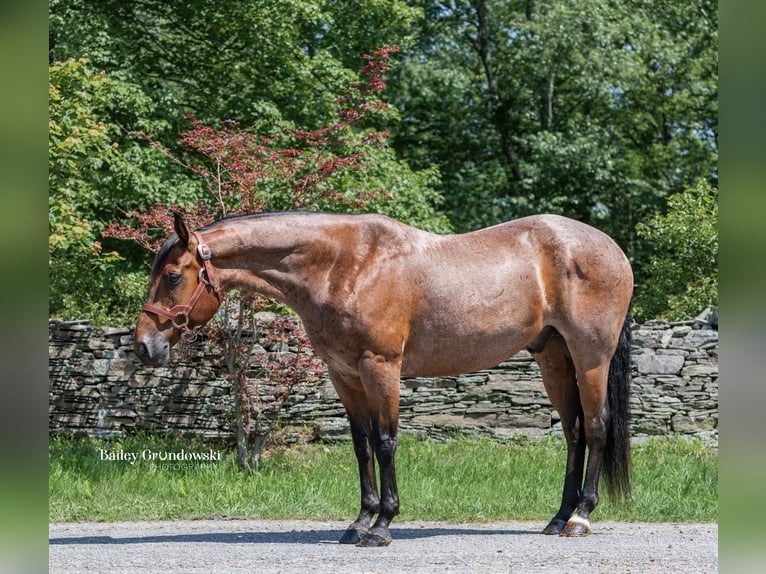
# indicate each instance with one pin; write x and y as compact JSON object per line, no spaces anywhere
{"x":162,"y":253}
{"x":258,"y":215}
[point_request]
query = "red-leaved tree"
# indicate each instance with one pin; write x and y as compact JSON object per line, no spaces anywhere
{"x":248,"y":170}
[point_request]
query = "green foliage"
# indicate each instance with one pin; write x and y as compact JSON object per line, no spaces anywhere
{"x":405,"y":194}
{"x":79,"y":150}
{"x":594,"y":109}
{"x":682,"y":272}
{"x":673,"y":480}
{"x":95,"y":167}
{"x":226,"y":59}
{"x":78,"y":145}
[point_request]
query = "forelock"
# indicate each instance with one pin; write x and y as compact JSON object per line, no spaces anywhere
{"x":162,"y":254}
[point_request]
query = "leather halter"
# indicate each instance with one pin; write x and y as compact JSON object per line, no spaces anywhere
{"x":179,"y":314}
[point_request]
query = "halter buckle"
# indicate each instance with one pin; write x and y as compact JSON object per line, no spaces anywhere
{"x":204,"y":251}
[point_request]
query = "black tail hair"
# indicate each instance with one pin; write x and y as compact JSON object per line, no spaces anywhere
{"x":616,"y":463}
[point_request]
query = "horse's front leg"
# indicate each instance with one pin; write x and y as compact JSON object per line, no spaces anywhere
{"x":370,"y":503}
{"x":385,"y":451}
{"x":354,"y":400}
{"x":380,"y":379}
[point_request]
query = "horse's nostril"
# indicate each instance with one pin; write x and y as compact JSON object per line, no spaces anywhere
{"x":142,"y":351}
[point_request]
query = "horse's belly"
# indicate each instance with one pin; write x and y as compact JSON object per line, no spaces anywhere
{"x":466,"y":325}
{"x":444,"y":353}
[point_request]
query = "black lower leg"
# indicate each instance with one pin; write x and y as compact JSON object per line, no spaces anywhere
{"x":370,"y":502}
{"x":589,"y":498}
{"x":385,"y":450}
{"x":578,"y":524}
{"x":571,"y":493}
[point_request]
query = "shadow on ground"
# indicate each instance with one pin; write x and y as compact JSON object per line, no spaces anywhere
{"x":287,"y":537}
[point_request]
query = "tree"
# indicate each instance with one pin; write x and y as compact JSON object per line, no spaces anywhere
{"x":684,"y":263}
{"x":262,"y":380}
{"x":271,"y":60}
{"x":94,"y":164}
{"x":595,"y":109}
{"x":342,"y":166}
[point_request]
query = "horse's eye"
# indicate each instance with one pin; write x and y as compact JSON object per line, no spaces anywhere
{"x":174,"y":278}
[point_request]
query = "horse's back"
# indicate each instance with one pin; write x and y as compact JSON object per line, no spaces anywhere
{"x":550,"y":254}
{"x":485,"y":295}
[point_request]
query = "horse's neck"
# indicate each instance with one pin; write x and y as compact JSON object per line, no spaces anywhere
{"x":268,"y":256}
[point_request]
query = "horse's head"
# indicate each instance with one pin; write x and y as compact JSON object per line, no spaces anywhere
{"x":183,"y":295}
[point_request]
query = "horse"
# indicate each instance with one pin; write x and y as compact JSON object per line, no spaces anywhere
{"x":380,"y":300}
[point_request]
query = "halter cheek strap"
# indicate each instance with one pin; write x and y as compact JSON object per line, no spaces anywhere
{"x":179,"y":314}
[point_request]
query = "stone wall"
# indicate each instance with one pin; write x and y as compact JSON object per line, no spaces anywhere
{"x":97,"y":385}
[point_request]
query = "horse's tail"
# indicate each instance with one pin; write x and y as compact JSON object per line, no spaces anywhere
{"x":617,"y":453}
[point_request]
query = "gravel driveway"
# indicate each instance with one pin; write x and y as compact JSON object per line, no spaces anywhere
{"x":231,"y":546}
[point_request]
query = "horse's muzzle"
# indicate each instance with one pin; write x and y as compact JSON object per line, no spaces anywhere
{"x":152,"y":355}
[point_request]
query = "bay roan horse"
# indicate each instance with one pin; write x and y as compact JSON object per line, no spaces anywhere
{"x":380,"y":300}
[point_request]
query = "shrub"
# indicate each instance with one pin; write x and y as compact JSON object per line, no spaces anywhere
{"x":683,"y":268}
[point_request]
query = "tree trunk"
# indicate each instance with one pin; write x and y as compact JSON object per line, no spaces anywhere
{"x":546,"y":104}
{"x":235,"y":364}
{"x":240,"y":403}
{"x":499,"y":107}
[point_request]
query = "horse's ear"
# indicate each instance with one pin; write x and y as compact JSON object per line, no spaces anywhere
{"x":181,"y":228}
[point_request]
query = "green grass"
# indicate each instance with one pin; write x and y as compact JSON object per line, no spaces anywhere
{"x":461,"y":480}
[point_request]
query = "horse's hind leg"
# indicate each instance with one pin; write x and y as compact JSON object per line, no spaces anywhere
{"x":591,"y":364}
{"x":560,"y":382}
{"x":592,"y":384}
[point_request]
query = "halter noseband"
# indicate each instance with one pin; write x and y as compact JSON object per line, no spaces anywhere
{"x":179,"y":314}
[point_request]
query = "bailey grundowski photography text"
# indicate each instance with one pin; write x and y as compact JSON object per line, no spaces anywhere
{"x":166,"y":460}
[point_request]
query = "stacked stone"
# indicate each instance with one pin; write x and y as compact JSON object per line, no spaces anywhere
{"x":96,"y":385}
{"x":675,"y":380}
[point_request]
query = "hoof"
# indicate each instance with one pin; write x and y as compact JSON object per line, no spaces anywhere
{"x":353,"y":535}
{"x":375,"y":538}
{"x":555,"y":526}
{"x":577,"y":526}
